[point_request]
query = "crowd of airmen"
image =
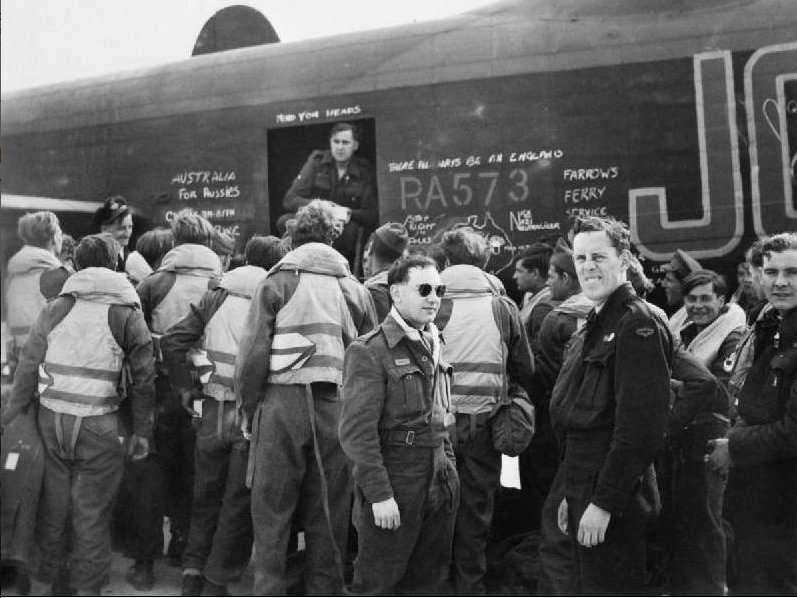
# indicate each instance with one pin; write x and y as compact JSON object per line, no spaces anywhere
{"x":246,"y":403}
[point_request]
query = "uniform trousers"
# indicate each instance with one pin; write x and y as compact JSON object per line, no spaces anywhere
{"x":162,"y":483}
{"x":413,"y":560}
{"x":220,"y":538}
{"x":556,"y":547}
{"x":285,"y":479}
{"x":479,"y":469}
{"x":697,"y":540}
{"x":538,"y":463}
{"x":616,"y":567}
{"x":762,"y":508}
{"x":82,"y":471}
{"x":764,"y":558}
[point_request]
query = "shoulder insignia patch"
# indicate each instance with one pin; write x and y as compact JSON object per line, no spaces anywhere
{"x":645,"y":332}
{"x":404,"y":361}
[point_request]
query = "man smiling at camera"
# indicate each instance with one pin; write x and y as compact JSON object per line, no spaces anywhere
{"x":761,"y":448}
{"x":396,"y":407}
{"x":609,"y":410}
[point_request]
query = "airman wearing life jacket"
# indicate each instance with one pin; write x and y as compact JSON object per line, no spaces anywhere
{"x":42,"y":235}
{"x":489,"y":365}
{"x":220,"y":538}
{"x":185,"y":273}
{"x":88,"y":349}
{"x":288,"y":376}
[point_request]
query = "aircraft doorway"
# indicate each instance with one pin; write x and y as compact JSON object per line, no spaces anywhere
{"x":288,"y":150}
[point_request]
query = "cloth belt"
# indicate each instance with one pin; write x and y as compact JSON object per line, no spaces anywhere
{"x":414,"y":438}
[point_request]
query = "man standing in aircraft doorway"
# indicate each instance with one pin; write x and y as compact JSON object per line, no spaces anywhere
{"x":346,"y":180}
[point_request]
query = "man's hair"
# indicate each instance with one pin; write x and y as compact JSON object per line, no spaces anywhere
{"x":701,"y":277}
{"x":465,"y":246}
{"x":192,"y":228}
{"x":437,"y":253}
{"x":316,"y":223}
{"x":778,"y":243}
{"x":400,"y":270}
{"x":223,"y":244}
{"x":755,"y":255}
{"x":617,"y":231}
{"x":340,"y":127}
{"x":97,"y":251}
{"x":638,"y":279}
{"x":39,"y":228}
{"x":536,"y":257}
{"x":68,"y":245}
{"x":379,"y":250}
{"x":265,"y":251}
{"x":154,"y":244}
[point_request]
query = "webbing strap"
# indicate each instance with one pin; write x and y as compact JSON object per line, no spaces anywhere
{"x":69,"y":451}
{"x":219,"y":419}
{"x":308,"y":395}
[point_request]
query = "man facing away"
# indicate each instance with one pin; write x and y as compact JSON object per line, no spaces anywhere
{"x":396,"y":407}
{"x":287,"y":377}
{"x":487,"y":348}
{"x":219,"y":542}
{"x":609,"y":408}
{"x":760,"y":451}
{"x":343,"y":178}
{"x":387,"y":244}
{"x":41,"y":233}
{"x":163,"y":483}
{"x":74,"y":358}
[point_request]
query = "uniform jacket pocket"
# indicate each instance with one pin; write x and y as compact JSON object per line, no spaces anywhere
{"x":596,"y":387}
{"x":406,"y":392}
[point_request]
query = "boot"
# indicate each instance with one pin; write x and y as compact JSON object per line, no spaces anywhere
{"x":40,"y":588}
{"x":192,"y":584}
{"x":214,"y":589}
{"x":174,"y":553}
{"x":141,"y":575}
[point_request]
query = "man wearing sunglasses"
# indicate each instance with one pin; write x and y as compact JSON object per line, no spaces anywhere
{"x":396,"y":407}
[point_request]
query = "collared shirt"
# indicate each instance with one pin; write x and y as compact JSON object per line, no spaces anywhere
{"x":415,"y":335}
{"x":531,"y":300}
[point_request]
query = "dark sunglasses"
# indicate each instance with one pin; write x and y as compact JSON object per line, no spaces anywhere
{"x":425,"y":288}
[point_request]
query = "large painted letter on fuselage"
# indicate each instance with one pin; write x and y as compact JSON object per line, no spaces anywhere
{"x":765,"y":78}
{"x":720,"y":228}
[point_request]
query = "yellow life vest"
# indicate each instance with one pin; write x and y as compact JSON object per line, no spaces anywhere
{"x":311,"y":332}
{"x":223,"y":333}
{"x":187,"y":289}
{"x":83,"y":363}
{"x":478,"y":359}
{"x":24,"y":301}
